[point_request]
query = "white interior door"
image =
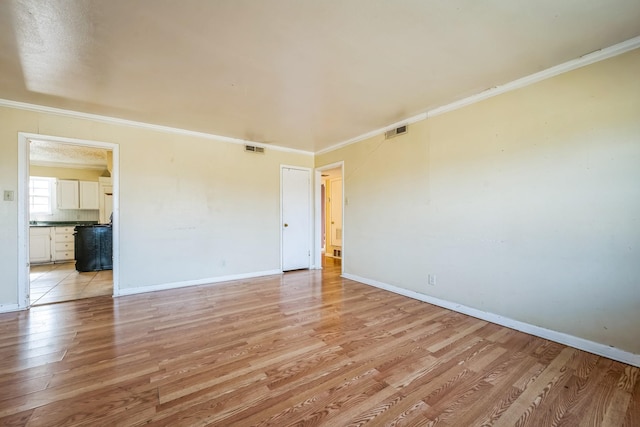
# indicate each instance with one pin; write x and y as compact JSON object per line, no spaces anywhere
{"x":336,"y":212}
{"x":296,"y":222}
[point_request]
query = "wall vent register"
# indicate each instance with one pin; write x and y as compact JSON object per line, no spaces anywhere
{"x":253,"y":149}
{"x":401,"y":130}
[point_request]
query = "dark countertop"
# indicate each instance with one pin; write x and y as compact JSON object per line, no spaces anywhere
{"x":60,"y":223}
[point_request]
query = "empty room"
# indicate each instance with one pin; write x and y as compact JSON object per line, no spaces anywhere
{"x":284,"y":212}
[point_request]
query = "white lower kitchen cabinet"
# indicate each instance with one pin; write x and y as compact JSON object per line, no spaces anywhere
{"x":51,"y":244}
{"x":40,"y":244}
{"x":63,"y":244}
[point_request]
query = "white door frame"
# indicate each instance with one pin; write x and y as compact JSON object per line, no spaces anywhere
{"x":23,"y":208}
{"x":318,"y":207}
{"x":280,"y":225}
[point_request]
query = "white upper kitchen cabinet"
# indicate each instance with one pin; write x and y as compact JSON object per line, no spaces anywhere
{"x":78,"y":194}
{"x":89,"y":195}
{"x":68,"y":195}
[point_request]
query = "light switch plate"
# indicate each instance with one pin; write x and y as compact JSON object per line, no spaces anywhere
{"x":8,"y":196}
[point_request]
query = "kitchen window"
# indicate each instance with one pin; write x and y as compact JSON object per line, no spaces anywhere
{"x":41,"y":195}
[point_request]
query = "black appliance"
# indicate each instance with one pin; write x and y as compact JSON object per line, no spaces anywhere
{"x":93,"y":247}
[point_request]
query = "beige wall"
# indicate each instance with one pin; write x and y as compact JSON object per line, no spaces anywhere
{"x":526,"y":205}
{"x":190,"y":208}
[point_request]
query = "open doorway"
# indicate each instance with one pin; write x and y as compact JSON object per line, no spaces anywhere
{"x":67,"y":193}
{"x":329,"y":227}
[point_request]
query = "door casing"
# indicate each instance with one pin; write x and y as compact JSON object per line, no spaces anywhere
{"x":317,"y":248}
{"x":23,"y":208}
{"x":309,"y":219}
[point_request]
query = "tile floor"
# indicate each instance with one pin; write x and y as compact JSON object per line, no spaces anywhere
{"x":51,"y":283}
{"x":61,"y":282}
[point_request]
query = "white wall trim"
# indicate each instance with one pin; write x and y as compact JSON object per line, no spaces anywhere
{"x":590,"y":58}
{"x":142,"y":125}
{"x":559,"y":337}
{"x":23,"y":208}
{"x":24,"y":280}
{"x":408,"y":121}
{"x":197,"y":282}
{"x":67,"y":165}
{"x":318,"y":250}
{"x":584,"y":60}
{"x":8,"y":308}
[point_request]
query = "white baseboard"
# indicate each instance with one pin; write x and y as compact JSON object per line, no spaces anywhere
{"x":559,"y":337}
{"x":7,"y":308}
{"x":208,"y":281}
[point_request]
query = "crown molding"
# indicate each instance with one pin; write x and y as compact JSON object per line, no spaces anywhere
{"x":584,"y":60}
{"x":408,"y":121}
{"x":142,"y":125}
{"x":67,"y":165}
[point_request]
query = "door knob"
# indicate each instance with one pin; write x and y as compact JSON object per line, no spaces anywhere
{"x":286,"y":225}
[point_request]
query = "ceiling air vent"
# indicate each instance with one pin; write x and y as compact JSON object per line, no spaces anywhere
{"x":395,"y":132}
{"x":253,"y":149}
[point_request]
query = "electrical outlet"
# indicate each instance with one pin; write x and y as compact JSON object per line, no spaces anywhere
{"x":8,"y":196}
{"x":432,"y":279}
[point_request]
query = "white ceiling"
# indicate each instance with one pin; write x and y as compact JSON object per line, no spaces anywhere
{"x":302,"y":74}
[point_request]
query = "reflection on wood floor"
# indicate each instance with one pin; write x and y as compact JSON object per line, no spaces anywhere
{"x":61,"y":282}
{"x":303,"y":348}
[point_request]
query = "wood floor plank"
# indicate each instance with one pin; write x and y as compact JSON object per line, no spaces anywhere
{"x":303,"y":348}
{"x":9,"y":389}
{"x":19,"y":419}
{"x":302,"y":399}
{"x":632,"y":417}
{"x":521,"y":410}
{"x":95,"y":407}
{"x":616,"y":411}
{"x":592,"y":414}
{"x":491,"y":404}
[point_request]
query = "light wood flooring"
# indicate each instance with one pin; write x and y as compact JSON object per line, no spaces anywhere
{"x":307,"y":348}
{"x":52,"y":283}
